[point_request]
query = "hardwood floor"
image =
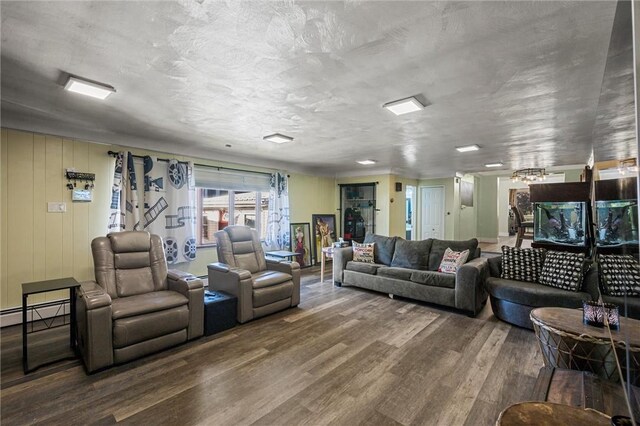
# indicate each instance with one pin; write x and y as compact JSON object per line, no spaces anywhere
{"x":345,"y":356}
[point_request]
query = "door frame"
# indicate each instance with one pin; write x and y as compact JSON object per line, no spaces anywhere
{"x":421,"y":211}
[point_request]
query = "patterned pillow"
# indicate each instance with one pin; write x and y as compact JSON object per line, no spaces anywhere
{"x":521,"y":264}
{"x":620,"y":275}
{"x":363,"y":252}
{"x":562,"y":270}
{"x":452,"y":260}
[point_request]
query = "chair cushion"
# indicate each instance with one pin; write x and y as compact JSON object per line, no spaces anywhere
{"x":275,"y":293}
{"x":130,"y":282}
{"x":522,"y":264}
{"x":434,"y":279}
{"x":440,"y":246}
{"x":562,"y":270}
{"x":533,"y":294}
{"x":141,"y":304}
{"x":131,"y":330}
{"x":397,"y":273}
{"x":365,"y":268}
{"x":133,"y":260}
{"x":130,"y":241}
{"x":620,"y":275}
{"x":384,"y":248}
{"x":268,"y":278}
{"x":412,"y":254}
{"x":363,"y":252}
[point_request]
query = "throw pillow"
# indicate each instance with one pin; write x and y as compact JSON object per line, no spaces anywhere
{"x":452,"y":260}
{"x":521,"y":264}
{"x":620,"y":275}
{"x":411,"y":254}
{"x":439,"y":246}
{"x":363,"y":252}
{"x":562,"y":270}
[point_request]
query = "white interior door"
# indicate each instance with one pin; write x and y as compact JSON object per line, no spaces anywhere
{"x":432,"y":201}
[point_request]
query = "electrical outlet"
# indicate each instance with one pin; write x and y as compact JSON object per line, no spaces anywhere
{"x":56,"y":207}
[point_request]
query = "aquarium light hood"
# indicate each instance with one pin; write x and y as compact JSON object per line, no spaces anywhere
{"x":529,"y":175}
{"x":627,"y":166}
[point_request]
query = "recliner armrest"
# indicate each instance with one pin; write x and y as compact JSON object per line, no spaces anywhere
{"x":192,"y":288}
{"x":282,"y":266}
{"x":183,"y":281}
{"x":94,"y":296}
{"x":242,"y":274}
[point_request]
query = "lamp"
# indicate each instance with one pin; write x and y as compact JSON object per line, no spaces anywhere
{"x":529,"y":175}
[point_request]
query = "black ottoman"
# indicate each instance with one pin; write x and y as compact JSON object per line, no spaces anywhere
{"x":220,"y":312}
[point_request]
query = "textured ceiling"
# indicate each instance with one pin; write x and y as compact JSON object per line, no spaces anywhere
{"x":521,"y":79}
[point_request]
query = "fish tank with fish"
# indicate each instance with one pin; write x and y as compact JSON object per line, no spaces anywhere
{"x":560,"y":223}
{"x":617,"y":222}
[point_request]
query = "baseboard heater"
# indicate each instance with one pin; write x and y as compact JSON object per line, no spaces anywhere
{"x":13,"y":316}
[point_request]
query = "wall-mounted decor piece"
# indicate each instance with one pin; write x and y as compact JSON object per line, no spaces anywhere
{"x":398,"y":186}
{"x":324,"y":233}
{"x":466,"y":193}
{"x":301,"y":243}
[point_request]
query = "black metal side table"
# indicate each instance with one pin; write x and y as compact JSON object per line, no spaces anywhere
{"x":42,"y":287}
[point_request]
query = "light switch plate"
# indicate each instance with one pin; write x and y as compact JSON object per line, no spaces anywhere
{"x":56,"y":207}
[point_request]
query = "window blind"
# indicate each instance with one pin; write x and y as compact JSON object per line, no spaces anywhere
{"x":210,"y":177}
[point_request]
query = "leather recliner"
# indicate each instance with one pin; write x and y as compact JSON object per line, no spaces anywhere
{"x":135,"y":306}
{"x":262,"y":286}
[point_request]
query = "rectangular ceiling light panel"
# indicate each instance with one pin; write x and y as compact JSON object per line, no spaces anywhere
{"x":278,"y":138}
{"x":404,"y":106}
{"x":467,"y":148}
{"x":366,"y":162}
{"x":494,"y":165}
{"x":88,"y":88}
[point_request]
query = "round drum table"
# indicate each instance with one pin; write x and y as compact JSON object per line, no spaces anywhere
{"x":550,"y":414}
{"x":568,"y":343}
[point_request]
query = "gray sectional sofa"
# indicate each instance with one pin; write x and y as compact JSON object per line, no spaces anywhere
{"x":410,"y":269}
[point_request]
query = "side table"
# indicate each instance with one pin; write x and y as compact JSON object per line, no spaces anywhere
{"x":220,"y":312}
{"x":327,"y":253}
{"x":550,"y":414}
{"x":42,"y":287}
{"x":566,"y":342}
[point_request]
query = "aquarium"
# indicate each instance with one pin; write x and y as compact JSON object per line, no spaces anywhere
{"x":617,"y":223}
{"x":561,"y":223}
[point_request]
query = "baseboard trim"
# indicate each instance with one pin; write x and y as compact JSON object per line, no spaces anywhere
{"x":13,"y":316}
{"x":487,"y":240}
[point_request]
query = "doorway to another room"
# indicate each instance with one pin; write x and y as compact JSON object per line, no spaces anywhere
{"x":432,"y":223}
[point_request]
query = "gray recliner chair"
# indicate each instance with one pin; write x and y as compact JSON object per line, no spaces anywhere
{"x":262,"y":286}
{"x":135,"y":306}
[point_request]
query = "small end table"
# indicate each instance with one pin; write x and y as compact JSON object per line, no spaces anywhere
{"x":282,"y":254}
{"x":42,"y":287}
{"x":327,"y":253}
{"x":220,"y":312}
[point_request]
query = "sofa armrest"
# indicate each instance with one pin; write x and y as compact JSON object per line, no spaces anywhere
{"x":470,"y":291}
{"x":291,"y":268}
{"x":340,"y":258}
{"x":192,"y":288}
{"x":94,"y":326}
{"x":234,"y":281}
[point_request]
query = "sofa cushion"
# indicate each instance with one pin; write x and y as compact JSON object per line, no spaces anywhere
{"x":365,"y":268}
{"x":397,"y":273}
{"x":412,"y":254}
{"x":620,"y":275}
{"x":132,"y":330}
{"x":146,"y":303}
{"x":434,"y":279}
{"x":440,"y":246}
{"x":562,"y":270}
{"x":383,"y":250}
{"x":522,"y":264}
{"x":533,"y":294}
{"x":363,"y":252}
{"x":452,"y":260}
{"x":633,"y":305}
{"x":268,"y":278}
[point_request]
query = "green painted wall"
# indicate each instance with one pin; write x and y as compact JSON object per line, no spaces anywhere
{"x":487,"y":208}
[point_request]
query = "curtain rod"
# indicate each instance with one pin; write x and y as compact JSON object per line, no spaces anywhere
{"x":166,"y":160}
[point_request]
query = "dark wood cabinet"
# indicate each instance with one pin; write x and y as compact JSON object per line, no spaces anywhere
{"x":357,"y":210}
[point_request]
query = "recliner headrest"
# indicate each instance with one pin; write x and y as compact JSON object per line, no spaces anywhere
{"x":130,"y":241}
{"x":239,"y":233}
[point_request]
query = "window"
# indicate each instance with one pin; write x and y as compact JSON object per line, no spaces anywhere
{"x":219,"y":208}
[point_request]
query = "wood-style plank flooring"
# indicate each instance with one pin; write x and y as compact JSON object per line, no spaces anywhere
{"x":345,"y":356}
